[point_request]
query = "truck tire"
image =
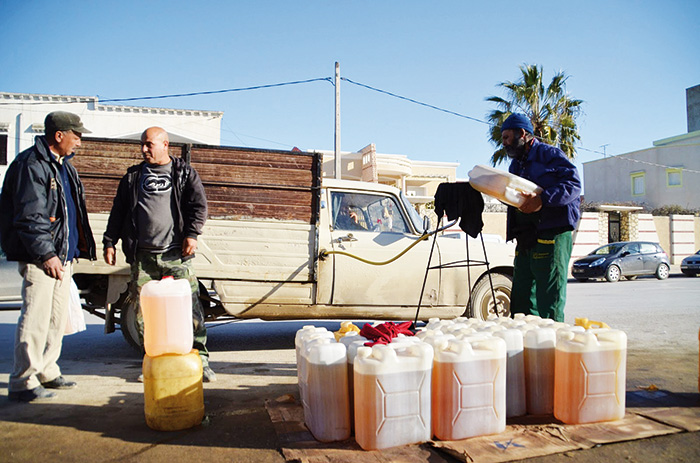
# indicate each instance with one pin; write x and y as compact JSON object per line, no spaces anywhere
{"x":481,"y":302}
{"x":128,"y":325}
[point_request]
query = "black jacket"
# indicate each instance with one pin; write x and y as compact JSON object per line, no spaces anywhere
{"x":190,"y":202}
{"x":33,"y":225}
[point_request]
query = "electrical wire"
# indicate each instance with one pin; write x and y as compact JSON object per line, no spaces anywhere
{"x":414,"y":101}
{"x":318,"y":79}
{"x":173,"y":95}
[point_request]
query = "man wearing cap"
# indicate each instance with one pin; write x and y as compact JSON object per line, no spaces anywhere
{"x":44,"y":226}
{"x":542,"y":226}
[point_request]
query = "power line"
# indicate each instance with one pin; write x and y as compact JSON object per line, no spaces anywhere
{"x":414,"y":101}
{"x":297,"y":82}
{"x":174,"y":95}
{"x":656,"y":165}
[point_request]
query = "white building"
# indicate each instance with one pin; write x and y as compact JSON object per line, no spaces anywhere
{"x":664,"y":175}
{"x":22,"y":119}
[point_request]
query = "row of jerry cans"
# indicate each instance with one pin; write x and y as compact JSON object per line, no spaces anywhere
{"x":172,"y":370}
{"x":447,"y":386}
{"x":401,"y":393}
{"x":575,"y":373}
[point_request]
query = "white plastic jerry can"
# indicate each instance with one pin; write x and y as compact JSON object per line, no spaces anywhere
{"x":166,"y":306}
{"x":469,"y":388}
{"x":589,"y":375}
{"x":326,"y":402}
{"x":515,"y":376}
{"x":392,"y":395}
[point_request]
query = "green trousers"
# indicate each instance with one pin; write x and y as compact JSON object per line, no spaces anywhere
{"x":540,"y":276}
{"x":153,"y":266}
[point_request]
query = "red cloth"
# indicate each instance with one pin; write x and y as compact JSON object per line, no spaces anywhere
{"x":384,"y":333}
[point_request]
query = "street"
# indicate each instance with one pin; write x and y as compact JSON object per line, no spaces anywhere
{"x":102,"y":419}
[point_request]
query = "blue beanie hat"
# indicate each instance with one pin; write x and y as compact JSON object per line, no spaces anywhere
{"x":517,"y":121}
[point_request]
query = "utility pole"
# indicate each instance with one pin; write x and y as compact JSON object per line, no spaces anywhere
{"x":337,"y":165}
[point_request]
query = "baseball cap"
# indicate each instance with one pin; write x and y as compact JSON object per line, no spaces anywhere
{"x":62,"y":120}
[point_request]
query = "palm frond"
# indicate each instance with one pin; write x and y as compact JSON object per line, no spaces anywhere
{"x":551,"y":110}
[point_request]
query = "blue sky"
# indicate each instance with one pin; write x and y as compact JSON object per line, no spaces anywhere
{"x":630,"y":61}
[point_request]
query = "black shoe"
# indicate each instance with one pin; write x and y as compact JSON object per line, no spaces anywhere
{"x":31,"y":395}
{"x":59,"y":383}
{"x":208,"y":375}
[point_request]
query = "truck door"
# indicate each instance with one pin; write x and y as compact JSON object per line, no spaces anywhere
{"x":374,"y":227}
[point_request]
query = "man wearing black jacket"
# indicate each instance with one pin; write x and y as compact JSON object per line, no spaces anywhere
{"x":44,"y":226}
{"x":158,"y":213}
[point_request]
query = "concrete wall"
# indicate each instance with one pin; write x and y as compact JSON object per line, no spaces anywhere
{"x":692,"y":97}
{"x":494,"y":223}
{"x":678,"y":235}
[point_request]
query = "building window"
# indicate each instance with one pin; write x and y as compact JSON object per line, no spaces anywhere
{"x":674,"y":178}
{"x":638,"y":184}
{"x":3,"y":149}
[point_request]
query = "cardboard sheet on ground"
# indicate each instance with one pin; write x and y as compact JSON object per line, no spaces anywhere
{"x":536,"y":436}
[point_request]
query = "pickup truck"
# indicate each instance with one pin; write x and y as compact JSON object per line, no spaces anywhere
{"x":282,"y":242}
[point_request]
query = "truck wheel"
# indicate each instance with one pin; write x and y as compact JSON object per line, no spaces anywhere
{"x":129,"y":326}
{"x":481,"y":303}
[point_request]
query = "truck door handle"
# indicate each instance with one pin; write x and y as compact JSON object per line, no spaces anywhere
{"x":349,"y":237}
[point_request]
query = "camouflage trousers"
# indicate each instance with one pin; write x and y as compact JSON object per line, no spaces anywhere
{"x":154,"y":266}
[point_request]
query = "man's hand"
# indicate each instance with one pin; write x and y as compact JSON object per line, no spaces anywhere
{"x":53,"y":268}
{"x":354,"y":217}
{"x":189,"y":246}
{"x":110,"y":255}
{"x":533,"y":203}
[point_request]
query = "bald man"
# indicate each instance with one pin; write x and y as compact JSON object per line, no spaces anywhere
{"x":158,"y":213}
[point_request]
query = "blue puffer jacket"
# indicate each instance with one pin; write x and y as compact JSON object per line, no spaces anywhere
{"x":548,"y":167}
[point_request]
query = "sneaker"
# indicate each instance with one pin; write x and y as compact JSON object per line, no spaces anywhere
{"x":31,"y":395}
{"x":208,"y":375}
{"x":59,"y":383}
{"x":140,"y":378}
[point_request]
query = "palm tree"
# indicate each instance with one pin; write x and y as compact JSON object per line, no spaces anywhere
{"x":552,"y":112}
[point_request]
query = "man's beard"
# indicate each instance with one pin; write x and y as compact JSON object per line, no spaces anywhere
{"x":516,"y":151}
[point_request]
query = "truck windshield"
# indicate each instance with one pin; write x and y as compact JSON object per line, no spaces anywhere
{"x":416,"y":219}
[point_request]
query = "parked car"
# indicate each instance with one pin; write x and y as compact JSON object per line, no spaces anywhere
{"x":627,"y":259}
{"x":690,"y":266}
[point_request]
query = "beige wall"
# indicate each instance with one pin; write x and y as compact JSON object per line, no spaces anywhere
{"x":663,"y":229}
{"x":494,"y":223}
{"x":609,"y":180}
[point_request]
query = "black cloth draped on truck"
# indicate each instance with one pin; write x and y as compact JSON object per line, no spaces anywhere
{"x":461,"y":200}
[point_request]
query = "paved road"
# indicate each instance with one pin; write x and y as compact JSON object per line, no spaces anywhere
{"x":102,"y":419}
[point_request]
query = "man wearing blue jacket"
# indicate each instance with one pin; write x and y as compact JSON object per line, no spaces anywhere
{"x":44,"y":227}
{"x":542,"y":226}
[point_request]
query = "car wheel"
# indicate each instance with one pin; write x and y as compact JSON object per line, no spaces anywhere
{"x":481,"y":303}
{"x":662,"y":271}
{"x":580,"y":279}
{"x":612,"y":274}
{"x":631,"y":277}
